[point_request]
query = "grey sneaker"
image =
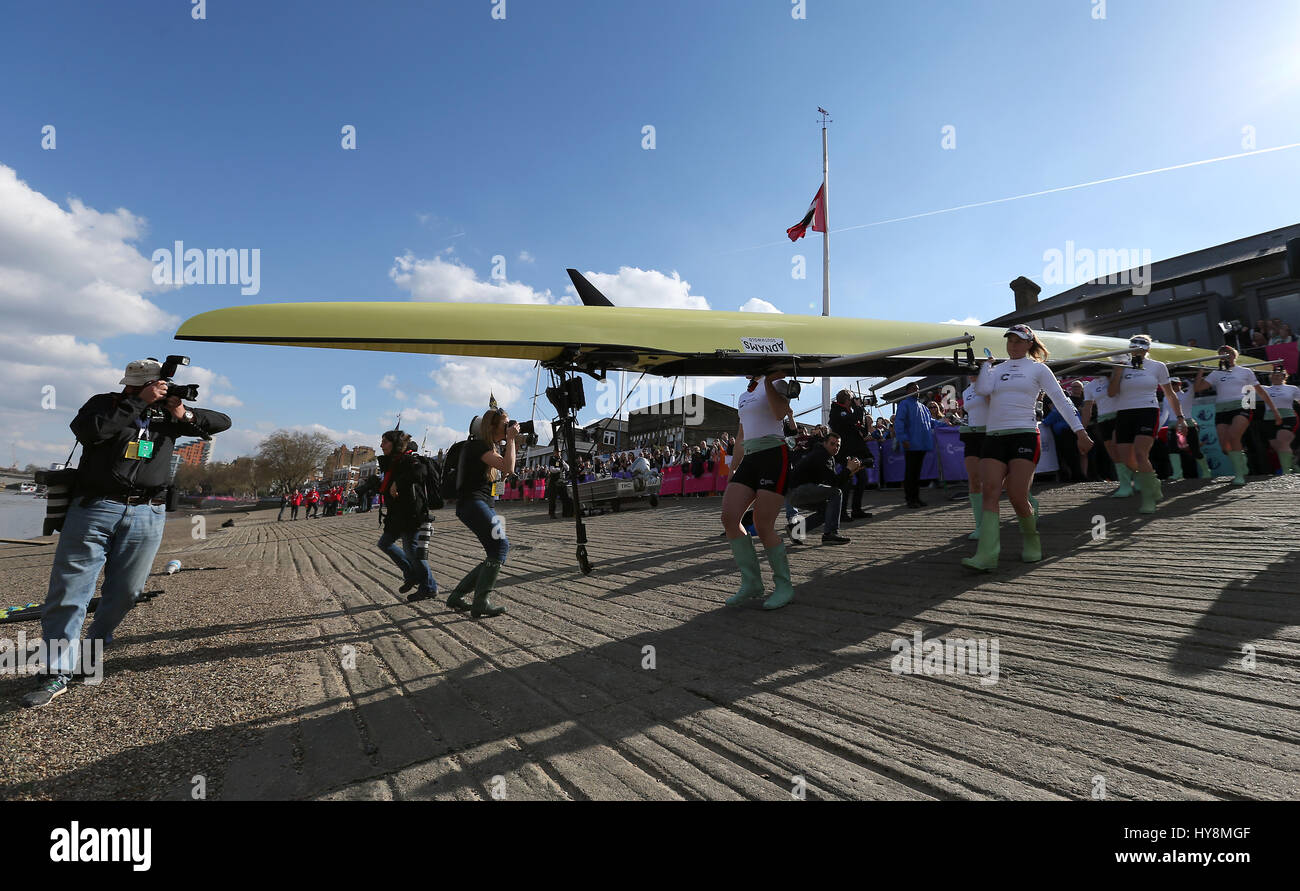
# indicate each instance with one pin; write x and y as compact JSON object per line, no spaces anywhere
{"x":48,"y":689}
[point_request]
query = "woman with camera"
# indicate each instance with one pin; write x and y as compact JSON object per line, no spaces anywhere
{"x":406,"y":510}
{"x":480,"y":465}
{"x":761,"y":462}
{"x":1011,"y":441}
{"x":1137,"y":418}
{"x":1235,"y":389}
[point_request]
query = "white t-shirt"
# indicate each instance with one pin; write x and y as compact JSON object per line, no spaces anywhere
{"x":756,"y":414}
{"x":1284,"y":396}
{"x":1012,"y":388}
{"x":977,"y":407}
{"x":1231,"y":385}
{"x":1097,"y":390}
{"x":1138,"y":388}
{"x":1185,"y":399}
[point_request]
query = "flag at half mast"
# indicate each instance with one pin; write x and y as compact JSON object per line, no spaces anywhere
{"x":816,"y":216}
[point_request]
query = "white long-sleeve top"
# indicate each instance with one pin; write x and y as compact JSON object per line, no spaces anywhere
{"x":977,"y":407}
{"x":1012,"y":388}
{"x":1097,"y":391}
{"x":1138,"y":387}
{"x":1231,"y":385}
{"x":1284,"y":396}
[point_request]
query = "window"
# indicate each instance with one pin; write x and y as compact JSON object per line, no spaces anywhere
{"x":1053,"y":323}
{"x":1189,"y":289}
{"x":1219,"y":284}
{"x":1286,"y":308}
{"x":1133,"y":301}
{"x":609,"y":437}
{"x":1160,"y":295}
{"x":1195,"y":327}
{"x":1104,"y":306}
{"x":1074,"y":318}
{"x":1163,"y":331}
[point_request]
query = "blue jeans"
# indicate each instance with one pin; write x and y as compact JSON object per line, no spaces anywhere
{"x":119,"y":539}
{"x":814,"y":496}
{"x":413,"y":568}
{"x":482,"y":521}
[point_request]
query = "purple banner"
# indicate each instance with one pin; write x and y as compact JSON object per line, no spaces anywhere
{"x":948,"y":445}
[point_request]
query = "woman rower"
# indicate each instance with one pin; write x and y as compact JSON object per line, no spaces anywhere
{"x":1235,"y":389}
{"x":1137,"y":418}
{"x":1284,"y":396}
{"x":758,"y":477}
{"x":1011,"y":442}
{"x":972,"y":437}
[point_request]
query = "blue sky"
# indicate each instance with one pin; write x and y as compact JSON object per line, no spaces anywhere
{"x":523,"y":138}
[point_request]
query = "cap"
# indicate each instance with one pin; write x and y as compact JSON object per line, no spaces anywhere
{"x":1024,"y":332}
{"x":141,"y":372}
{"x":1140,"y":342}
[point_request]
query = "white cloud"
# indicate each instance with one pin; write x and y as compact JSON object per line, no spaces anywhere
{"x":74,"y":271}
{"x":389,"y":382}
{"x":525,"y":257}
{"x":439,"y":280}
{"x":225,"y":401}
{"x":757,"y":304}
{"x":399,"y":395}
{"x":471,"y":381}
{"x":969,"y":320}
{"x":645,"y":287}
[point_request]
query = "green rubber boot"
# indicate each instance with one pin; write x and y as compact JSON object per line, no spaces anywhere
{"x":751,"y":577}
{"x":1031,"y":551}
{"x":782,"y":590}
{"x":466,"y":586}
{"x":986,"y":555}
{"x":1147,"y":483}
{"x":1034,"y":501}
{"x":1176,"y":462}
{"x":977,"y":507}
{"x":1125,"y":477}
{"x":483,"y":605}
{"x":1239,"y":464}
{"x":1287,"y":461}
{"x":1203,"y":468}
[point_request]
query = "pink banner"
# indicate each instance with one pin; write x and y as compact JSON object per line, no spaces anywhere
{"x":1285,"y":353}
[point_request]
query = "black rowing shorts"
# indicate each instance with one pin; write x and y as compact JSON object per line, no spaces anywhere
{"x":768,"y":469}
{"x":1012,"y":447}
{"x":1131,"y":423}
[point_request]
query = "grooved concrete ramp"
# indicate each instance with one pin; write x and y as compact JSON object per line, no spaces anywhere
{"x":1158,"y":658}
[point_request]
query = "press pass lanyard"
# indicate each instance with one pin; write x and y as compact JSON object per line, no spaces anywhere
{"x":142,"y":445}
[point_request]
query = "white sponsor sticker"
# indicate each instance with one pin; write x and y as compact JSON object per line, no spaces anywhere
{"x":763,"y":344}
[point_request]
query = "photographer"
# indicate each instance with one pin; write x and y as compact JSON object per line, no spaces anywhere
{"x":846,"y":417}
{"x":405,"y":511}
{"x":116,"y":516}
{"x":816,"y":484}
{"x":556,"y":473}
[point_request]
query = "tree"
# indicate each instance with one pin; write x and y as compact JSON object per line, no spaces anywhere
{"x":286,"y":458}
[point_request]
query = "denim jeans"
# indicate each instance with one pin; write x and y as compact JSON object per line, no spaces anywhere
{"x":482,"y":521}
{"x":413,"y":568}
{"x":814,"y":495}
{"x":122,"y":540}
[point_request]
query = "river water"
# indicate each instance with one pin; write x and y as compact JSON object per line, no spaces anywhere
{"x":21,"y":516}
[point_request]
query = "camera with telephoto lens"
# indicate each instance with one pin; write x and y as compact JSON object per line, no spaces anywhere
{"x":528,"y":432}
{"x":187,"y":392}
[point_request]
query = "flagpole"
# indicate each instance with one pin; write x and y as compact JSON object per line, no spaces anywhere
{"x":826,"y":255}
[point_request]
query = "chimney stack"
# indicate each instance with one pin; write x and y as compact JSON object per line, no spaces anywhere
{"x":1026,"y":293}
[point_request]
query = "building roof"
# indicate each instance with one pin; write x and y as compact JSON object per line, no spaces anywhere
{"x":1222,"y":256}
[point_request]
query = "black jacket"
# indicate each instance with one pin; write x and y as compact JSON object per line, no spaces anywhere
{"x":816,"y":467}
{"x":405,"y":505}
{"x":845,"y":421}
{"x":107,"y":423}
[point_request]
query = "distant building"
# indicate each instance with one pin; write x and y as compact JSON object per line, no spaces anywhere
{"x":682,"y":421}
{"x":1208,"y":296}
{"x":196,"y":453}
{"x":347,"y":457}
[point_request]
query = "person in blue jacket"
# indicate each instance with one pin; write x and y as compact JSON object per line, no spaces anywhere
{"x":913,"y":426}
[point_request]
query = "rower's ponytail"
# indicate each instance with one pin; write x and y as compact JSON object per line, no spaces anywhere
{"x":1037,"y":351}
